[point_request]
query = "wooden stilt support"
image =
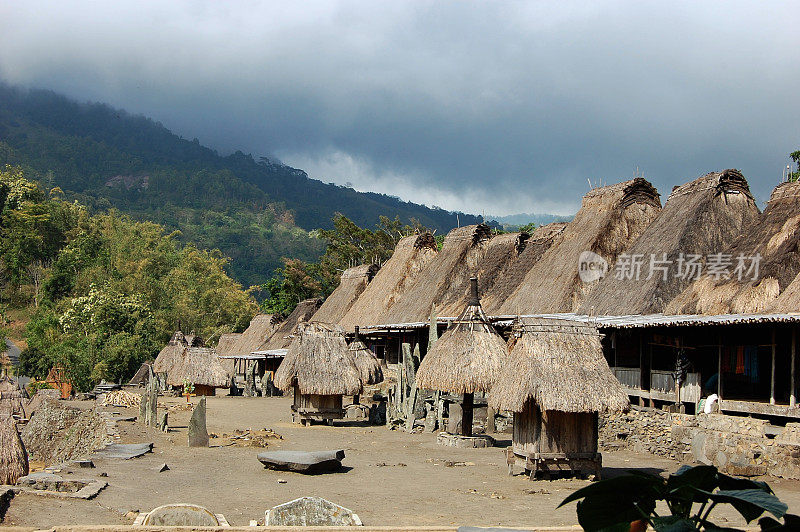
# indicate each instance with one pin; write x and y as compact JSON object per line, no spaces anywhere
{"x":466,"y":416}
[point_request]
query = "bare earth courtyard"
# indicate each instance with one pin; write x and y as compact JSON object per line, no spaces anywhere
{"x":390,"y":477}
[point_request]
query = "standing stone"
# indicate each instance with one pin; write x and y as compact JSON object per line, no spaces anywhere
{"x":152,"y":403}
{"x":163,"y":423}
{"x":250,"y":381}
{"x":490,"y":425}
{"x":454,"y":418}
{"x":198,"y":433}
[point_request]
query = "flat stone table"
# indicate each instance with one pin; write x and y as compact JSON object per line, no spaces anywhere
{"x":302,"y":461}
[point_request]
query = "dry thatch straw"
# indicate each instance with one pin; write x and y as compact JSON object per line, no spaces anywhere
{"x":13,"y":458}
{"x":558,"y":364}
{"x":319,"y":362}
{"x":11,"y":398}
{"x":280,"y":337}
{"x":254,"y":337}
{"x":171,"y":353}
{"x":500,"y":254}
{"x":368,"y":365}
{"x":775,"y":236}
{"x":353,"y":283}
{"x":469,"y":355}
{"x":512,"y":276}
{"x":702,"y":217}
{"x":461,"y":252}
{"x":200,"y":366}
{"x":609,"y":221}
{"x":227,"y":343}
{"x":411,"y":256}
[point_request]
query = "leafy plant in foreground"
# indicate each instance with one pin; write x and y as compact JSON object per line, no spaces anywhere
{"x":628,"y":502}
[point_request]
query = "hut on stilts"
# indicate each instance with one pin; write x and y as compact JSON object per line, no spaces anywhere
{"x":465,"y":360}
{"x":13,"y":457}
{"x":556,"y":381}
{"x":699,"y":219}
{"x":774,"y":237}
{"x":609,"y":221}
{"x":319,"y":368}
{"x":201,"y":367}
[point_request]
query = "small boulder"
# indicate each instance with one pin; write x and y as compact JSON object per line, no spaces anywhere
{"x":302,"y":461}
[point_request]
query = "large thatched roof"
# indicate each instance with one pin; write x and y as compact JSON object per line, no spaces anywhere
{"x":280,"y":337}
{"x":469,"y":355}
{"x":512,"y":276}
{"x":461,"y":252}
{"x":13,"y":458}
{"x":368,"y":365}
{"x":353,"y":283}
{"x":171,"y":353}
{"x":775,"y":236}
{"x":559,"y":365}
{"x":227,"y":344}
{"x":319,"y":362}
{"x":198,"y":365}
{"x":255,"y":336}
{"x":702,"y":217}
{"x":492,"y":265}
{"x":411,"y":256}
{"x":608,"y":222}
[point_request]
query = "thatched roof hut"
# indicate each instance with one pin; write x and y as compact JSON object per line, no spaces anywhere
{"x":353,"y":283}
{"x":461,"y":252}
{"x":281,"y":336}
{"x":12,"y":398}
{"x":319,"y":363}
{"x":511,"y":277}
{"x":702,"y":217}
{"x":492,"y":265}
{"x":559,"y":365}
{"x":411,"y":256}
{"x":226,"y":345}
{"x":609,"y":221}
{"x":469,"y":355}
{"x":368,"y":365}
{"x":171,"y":353}
{"x":13,"y":458}
{"x":199,"y":366}
{"x":774,"y":236}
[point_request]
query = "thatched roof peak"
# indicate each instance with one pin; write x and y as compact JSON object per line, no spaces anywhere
{"x":361,"y":271}
{"x":637,"y":190}
{"x":279,"y":339}
{"x":319,"y":362}
{"x":724,"y":182}
{"x":789,"y":190}
{"x":469,"y":355}
{"x":559,"y":365}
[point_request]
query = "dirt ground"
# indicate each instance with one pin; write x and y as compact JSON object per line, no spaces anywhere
{"x":390,"y":478}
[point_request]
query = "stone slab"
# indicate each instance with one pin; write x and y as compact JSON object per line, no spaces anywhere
{"x":198,"y":432}
{"x":124,"y":451}
{"x":180,"y":515}
{"x":466,"y":442}
{"x":310,"y":511}
{"x":302,"y":461}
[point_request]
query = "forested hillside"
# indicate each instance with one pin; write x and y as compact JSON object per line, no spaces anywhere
{"x":254,"y":211}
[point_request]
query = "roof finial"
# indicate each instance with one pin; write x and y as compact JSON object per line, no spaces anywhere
{"x":474,"y":301}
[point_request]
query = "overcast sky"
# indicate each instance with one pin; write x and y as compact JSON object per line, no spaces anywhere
{"x":493,"y":107}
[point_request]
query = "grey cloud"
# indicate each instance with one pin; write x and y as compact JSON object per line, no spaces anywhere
{"x":502,"y":107}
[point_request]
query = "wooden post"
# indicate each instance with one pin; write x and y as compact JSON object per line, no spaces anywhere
{"x":772,"y":374}
{"x":641,"y":367}
{"x":466,"y":416}
{"x":792,"y":388}
{"x":719,"y":370}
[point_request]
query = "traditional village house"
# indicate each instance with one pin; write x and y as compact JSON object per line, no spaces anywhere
{"x":353,"y":283}
{"x":13,"y":458}
{"x":556,"y":382}
{"x":466,"y":359}
{"x":200,"y":367}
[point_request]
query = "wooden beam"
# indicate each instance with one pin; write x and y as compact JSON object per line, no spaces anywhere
{"x":792,"y":386}
{"x":772,"y":374}
{"x":719,"y":369}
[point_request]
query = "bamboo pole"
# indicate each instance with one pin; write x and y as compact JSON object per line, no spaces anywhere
{"x":792,"y":388}
{"x":772,"y":373}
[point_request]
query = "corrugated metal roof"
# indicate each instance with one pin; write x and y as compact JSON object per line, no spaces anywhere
{"x":632,"y":321}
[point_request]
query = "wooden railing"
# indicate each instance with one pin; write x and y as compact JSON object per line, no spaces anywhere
{"x":630,"y":377}
{"x":662,"y":384}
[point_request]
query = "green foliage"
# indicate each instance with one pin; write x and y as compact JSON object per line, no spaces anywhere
{"x":690,"y":494}
{"x":296,"y":281}
{"x":794,"y":176}
{"x":527,"y":228}
{"x":109,"y":291}
{"x":35,"y":386}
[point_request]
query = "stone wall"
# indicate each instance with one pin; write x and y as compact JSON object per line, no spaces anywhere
{"x":736,"y":445}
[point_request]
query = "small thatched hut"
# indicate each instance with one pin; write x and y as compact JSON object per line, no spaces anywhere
{"x":171,"y":353}
{"x":609,"y":221}
{"x":499,"y":256}
{"x":411,"y":256}
{"x":12,"y":398}
{"x":699,"y":218}
{"x":556,"y":381}
{"x":320,"y":369}
{"x":510,"y":278}
{"x":461,"y":252}
{"x":466,"y":359}
{"x":13,"y":458}
{"x":281,"y":336}
{"x":775,"y":237}
{"x":201,"y":367}
{"x":353,"y":283}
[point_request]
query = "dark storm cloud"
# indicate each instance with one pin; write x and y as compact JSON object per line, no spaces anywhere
{"x":495,"y":107}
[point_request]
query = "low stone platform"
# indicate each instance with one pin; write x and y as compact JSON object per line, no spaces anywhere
{"x":50,"y":485}
{"x":303,"y":461}
{"x":469,"y":442}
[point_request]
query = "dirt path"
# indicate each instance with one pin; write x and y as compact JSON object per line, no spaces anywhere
{"x":391,"y":477}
